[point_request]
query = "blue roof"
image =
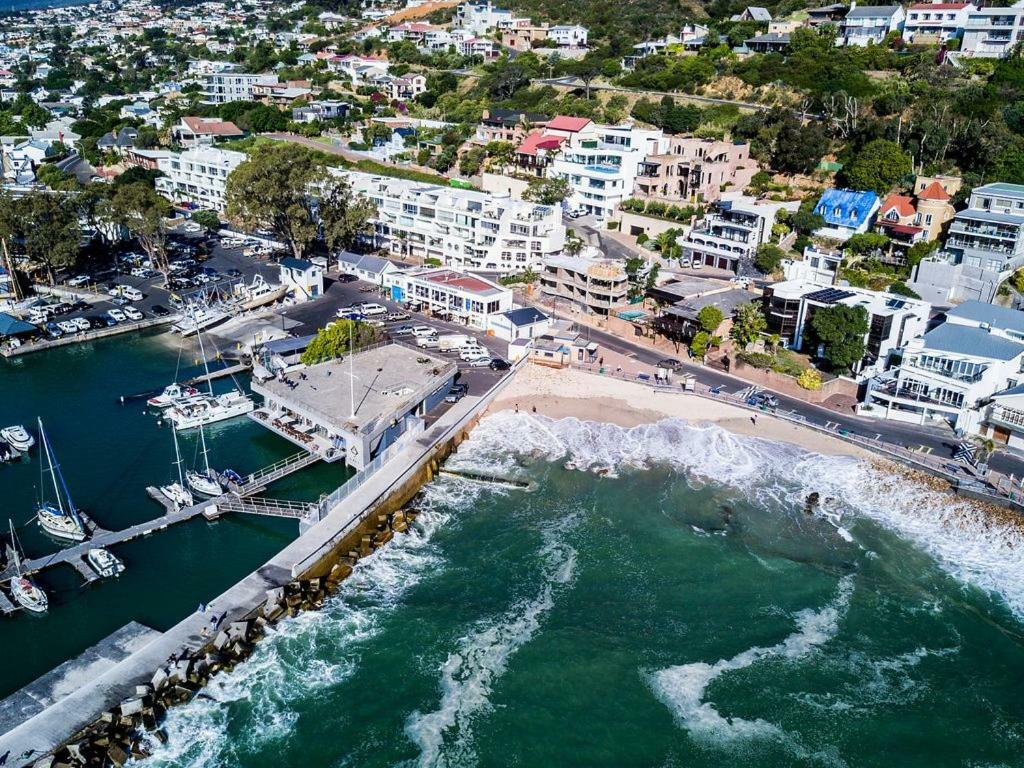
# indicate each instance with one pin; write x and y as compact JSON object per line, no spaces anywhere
{"x":983,"y":312}
{"x":846,"y":207}
{"x":292,"y":263}
{"x":525,"y":316}
{"x":12,"y":326}
{"x":972,"y":342}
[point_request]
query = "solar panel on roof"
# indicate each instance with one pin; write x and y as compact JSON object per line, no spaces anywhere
{"x":895,"y":304}
{"x":829,"y":295}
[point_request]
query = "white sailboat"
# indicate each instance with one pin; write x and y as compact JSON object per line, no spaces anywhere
{"x":59,"y":517}
{"x":204,"y":482}
{"x":105,"y":563}
{"x":23,"y":589}
{"x":209,"y":408}
{"x":171,"y":395}
{"x":177,"y":492}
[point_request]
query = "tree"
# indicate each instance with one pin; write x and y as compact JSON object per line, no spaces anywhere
{"x":748,"y":324}
{"x":206,"y":219}
{"x":710,"y":317}
{"x":46,"y":227}
{"x":809,"y":379}
{"x":768,"y":258}
{"x":471,"y":161}
{"x":879,"y":165}
{"x":841,"y":329}
{"x":700,"y":344}
{"x":501,"y":154}
{"x":337,"y":339}
{"x":547,"y":191}
{"x":573,"y":246}
{"x":919,"y":251}
{"x":344,"y":216}
{"x":866,"y":243}
{"x":272,"y":189}
{"x":140,"y":210}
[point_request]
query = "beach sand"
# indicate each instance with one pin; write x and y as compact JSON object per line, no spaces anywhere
{"x":566,"y":393}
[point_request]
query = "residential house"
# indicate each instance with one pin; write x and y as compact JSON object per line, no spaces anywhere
{"x":537,"y":151}
{"x":769,"y":42}
{"x":967,"y":373}
{"x":869,"y":24}
{"x":893,"y":320}
{"x":520,"y":323}
{"x":568,"y":36}
{"x":908,"y":220}
{"x":753,"y":13}
{"x":680,"y":301}
{"x":595,"y":285}
{"x":506,"y":125}
{"x":523,"y":35}
{"x":846,"y":213}
{"x":819,"y":265}
{"x":694,"y":169}
{"x":647,"y":48}
{"x":462,"y":228}
{"x":827,"y":14}
{"x":408,"y":87}
{"x":481,"y":16}
{"x":730,"y":234}
{"x":118,"y":142}
{"x":936,"y":22}
{"x":372,"y":269}
{"x":993,"y":32}
{"x":359,"y":69}
{"x":192,"y":131}
{"x":198,"y":176}
{"x":320,"y":110}
{"x":304,"y":279}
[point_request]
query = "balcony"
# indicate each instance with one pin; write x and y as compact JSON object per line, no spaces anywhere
{"x":1008,"y":417}
{"x":944,"y":372}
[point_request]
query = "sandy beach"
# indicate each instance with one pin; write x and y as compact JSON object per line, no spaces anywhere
{"x":572,"y":393}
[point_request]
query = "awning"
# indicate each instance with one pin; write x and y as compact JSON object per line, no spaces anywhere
{"x":12,"y":326}
{"x":592,"y":346}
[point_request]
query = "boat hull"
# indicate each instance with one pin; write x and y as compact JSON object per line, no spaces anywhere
{"x":203,"y":484}
{"x":60,"y":526}
{"x":18,"y":438}
{"x":28,"y":595}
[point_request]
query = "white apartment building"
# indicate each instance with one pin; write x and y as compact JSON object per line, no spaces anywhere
{"x":224,"y":87}
{"x":730,"y":234}
{"x":197,"y":176}
{"x":936,"y":22}
{"x":463,"y":298}
{"x":601,"y":162}
{"x":462,"y":228}
{"x":967,"y":372}
{"x":992,"y":33}
{"x":479,"y":16}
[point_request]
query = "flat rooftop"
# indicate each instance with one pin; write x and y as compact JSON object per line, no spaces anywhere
{"x":384,"y":381}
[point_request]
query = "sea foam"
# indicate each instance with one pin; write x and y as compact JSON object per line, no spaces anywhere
{"x":968,"y":543}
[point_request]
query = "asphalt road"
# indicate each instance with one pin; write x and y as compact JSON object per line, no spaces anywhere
{"x":941,"y":442}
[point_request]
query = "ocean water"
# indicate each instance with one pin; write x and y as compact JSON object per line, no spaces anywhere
{"x":658,"y":597}
{"x":11,"y":6}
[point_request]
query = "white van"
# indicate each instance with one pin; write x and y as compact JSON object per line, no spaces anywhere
{"x":422,"y":331}
{"x":132,"y":294}
{"x":453,"y":341}
{"x":427,"y":342}
{"x":373,"y":310}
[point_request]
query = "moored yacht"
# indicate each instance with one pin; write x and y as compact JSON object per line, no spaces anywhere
{"x":25,"y":591}
{"x":204,"y":481}
{"x":58,"y":517}
{"x":177,"y":493}
{"x":104,"y":562}
{"x":210,"y":409}
{"x":19,"y":438}
{"x":171,"y":395}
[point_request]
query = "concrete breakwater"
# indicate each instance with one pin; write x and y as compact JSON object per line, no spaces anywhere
{"x":91,"y":727}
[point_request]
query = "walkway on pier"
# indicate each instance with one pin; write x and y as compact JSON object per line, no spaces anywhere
{"x":261,"y":478}
{"x":272,"y":507}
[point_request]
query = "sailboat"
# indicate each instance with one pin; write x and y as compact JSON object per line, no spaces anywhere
{"x":177,"y":492}
{"x":23,"y":589}
{"x":204,"y":482}
{"x":59,"y":517}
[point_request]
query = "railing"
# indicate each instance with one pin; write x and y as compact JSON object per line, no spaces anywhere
{"x":265,"y":472}
{"x":269,"y":507}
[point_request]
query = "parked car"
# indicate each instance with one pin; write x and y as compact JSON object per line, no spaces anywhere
{"x":670,"y":363}
{"x":132,"y":313}
{"x":52,"y":330}
{"x":456,"y":393}
{"x":81,"y":323}
{"x":763,"y":400}
{"x":80,"y":305}
{"x":481,"y":362}
{"x":575,"y":213}
{"x":95,"y":323}
{"x":140,"y":272}
{"x":117,"y":315}
{"x":120,"y":301}
{"x":79,"y":280}
{"x":373,"y":310}
{"x":397,"y":317}
{"x":159,"y":310}
{"x":67,"y":326}
{"x":132,"y":294}
{"x":474,"y":353}
{"x":401,"y":330}
{"x":497,"y":364}
{"x":420,"y":331}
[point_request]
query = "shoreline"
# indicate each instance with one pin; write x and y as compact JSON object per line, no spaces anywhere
{"x":630,"y":404}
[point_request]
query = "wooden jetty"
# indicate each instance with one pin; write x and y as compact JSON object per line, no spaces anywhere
{"x":220,"y":373}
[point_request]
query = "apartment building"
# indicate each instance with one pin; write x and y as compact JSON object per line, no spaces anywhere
{"x":224,"y":87}
{"x":462,"y":228}
{"x":893,"y":320}
{"x":456,"y":296}
{"x":729,"y":235}
{"x":321,"y":109}
{"x":197,"y":176}
{"x":967,"y":372}
{"x":595,"y":285}
{"x":569,"y":36}
{"x":601,"y":162}
{"x":869,"y":24}
{"x":992,"y":33}
{"x":694,"y":169}
{"x":479,"y":16}
{"x":936,"y":22}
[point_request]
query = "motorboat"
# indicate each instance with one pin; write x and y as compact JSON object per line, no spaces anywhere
{"x":260,"y":293}
{"x":104,"y":562}
{"x":210,"y":409}
{"x":58,"y":517}
{"x":198,"y":319}
{"x":25,"y":591}
{"x":19,"y":438}
{"x":177,"y":493}
{"x":171,"y":395}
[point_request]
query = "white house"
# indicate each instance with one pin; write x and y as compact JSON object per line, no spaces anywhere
{"x":992,"y":33}
{"x":304,"y":279}
{"x":866,"y":24}
{"x":457,"y":296}
{"x":520,"y":323}
{"x":569,"y":36}
{"x":936,"y":22}
{"x":373,"y":269}
{"x":730,"y":234}
{"x":197,"y":176}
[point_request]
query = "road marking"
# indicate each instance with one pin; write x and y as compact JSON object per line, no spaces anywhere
{"x":923,"y":449}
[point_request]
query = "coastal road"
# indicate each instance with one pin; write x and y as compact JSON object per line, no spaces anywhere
{"x":940,"y":442}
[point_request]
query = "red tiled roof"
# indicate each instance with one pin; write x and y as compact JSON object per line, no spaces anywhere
{"x":906,"y":229}
{"x":208,"y":127}
{"x":934,"y":191}
{"x":539,"y":140}
{"x":570,"y":124}
{"x":904,"y":205}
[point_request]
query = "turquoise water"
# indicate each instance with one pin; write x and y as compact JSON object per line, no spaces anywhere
{"x":109,"y":453}
{"x":660,"y":597}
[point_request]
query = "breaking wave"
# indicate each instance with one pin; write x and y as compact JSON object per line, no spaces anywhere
{"x":968,"y":542}
{"x":444,"y":736}
{"x":683,"y":688}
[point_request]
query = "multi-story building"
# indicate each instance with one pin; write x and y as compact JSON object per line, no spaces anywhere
{"x":601,"y":162}
{"x":479,"y":16}
{"x":462,"y":228}
{"x":456,"y":296}
{"x":893,"y":320}
{"x":569,"y":36}
{"x":966,"y":372}
{"x":506,"y":125}
{"x":595,"y":285}
{"x":988,"y":233}
{"x":321,"y":109}
{"x":936,"y":22}
{"x":908,"y":220}
{"x":694,"y":168}
{"x":992,"y":33}
{"x":523,"y":34}
{"x":729,"y":235}
{"x":846,"y":213}
{"x":224,"y":87}
{"x":869,"y":24}
{"x":197,"y":176}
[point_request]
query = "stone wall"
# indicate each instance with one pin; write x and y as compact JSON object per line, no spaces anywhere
{"x":780,"y":382}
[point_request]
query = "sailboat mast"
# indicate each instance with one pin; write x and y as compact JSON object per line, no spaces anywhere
{"x":177,"y":453}
{"x":206,"y":456}
{"x":202,"y":352}
{"x":50,"y":462}
{"x":14,"y":548}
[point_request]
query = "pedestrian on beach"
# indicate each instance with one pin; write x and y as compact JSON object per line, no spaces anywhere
{"x":517,"y":407}
{"x":535,"y":409}
{"x":753,"y":419}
